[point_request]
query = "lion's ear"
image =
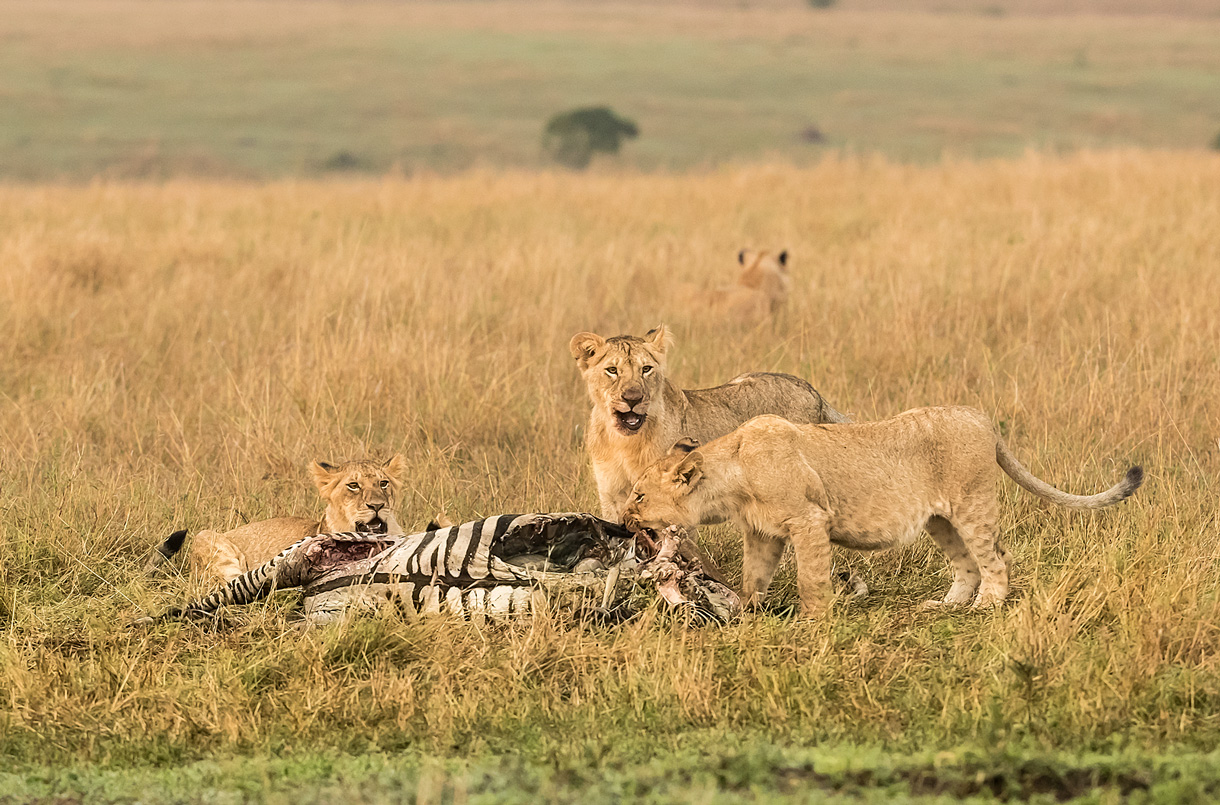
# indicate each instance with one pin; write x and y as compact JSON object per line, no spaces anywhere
{"x":783,"y":258}
{"x":396,"y":467}
{"x":322,"y":473}
{"x":584,"y":346}
{"x":659,"y":339}
{"x":741,"y":257}
{"x":685,"y":445}
{"x":690,"y":469}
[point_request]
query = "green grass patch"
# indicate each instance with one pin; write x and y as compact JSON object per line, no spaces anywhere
{"x":696,"y":768}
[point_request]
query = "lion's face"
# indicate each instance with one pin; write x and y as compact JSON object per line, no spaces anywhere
{"x":360,"y":495}
{"x":662,"y":495}
{"x":624,"y":375}
{"x":765,"y":271}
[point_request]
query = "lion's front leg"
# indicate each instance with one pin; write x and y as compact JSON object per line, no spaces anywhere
{"x":612,"y":507}
{"x":760,"y":557}
{"x":613,"y":491}
{"x":810,"y":537}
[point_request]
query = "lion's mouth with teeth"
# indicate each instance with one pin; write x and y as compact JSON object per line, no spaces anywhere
{"x":629,"y":421}
{"x":374,"y":526}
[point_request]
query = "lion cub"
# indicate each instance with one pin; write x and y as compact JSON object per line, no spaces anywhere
{"x":865,"y":486}
{"x":359,"y":495}
{"x":761,"y":289}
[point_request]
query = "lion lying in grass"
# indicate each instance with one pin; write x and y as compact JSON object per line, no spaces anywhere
{"x":865,"y":486}
{"x":760,"y":291}
{"x":360,"y":496}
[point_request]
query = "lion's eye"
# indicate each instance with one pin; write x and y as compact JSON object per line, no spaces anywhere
{"x":647,"y":370}
{"x":639,"y":498}
{"x":385,"y":484}
{"x":611,"y":370}
{"x":355,"y":487}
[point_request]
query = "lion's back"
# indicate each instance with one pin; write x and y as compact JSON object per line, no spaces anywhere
{"x":718,"y":410}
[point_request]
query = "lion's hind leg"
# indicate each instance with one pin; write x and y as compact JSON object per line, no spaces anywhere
{"x":979,"y":535}
{"x":216,"y":558}
{"x":966,"y":574}
{"x":811,"y":544}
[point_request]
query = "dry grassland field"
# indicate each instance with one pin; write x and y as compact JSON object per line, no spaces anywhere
{"x":173,"y":355}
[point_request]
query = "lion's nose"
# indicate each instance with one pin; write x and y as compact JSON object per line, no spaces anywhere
{"x":632,"y":522}
{"x":376,"y":507}
{"x":633,"y":395}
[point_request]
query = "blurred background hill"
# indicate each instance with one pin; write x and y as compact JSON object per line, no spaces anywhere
{"x":244,"y":88}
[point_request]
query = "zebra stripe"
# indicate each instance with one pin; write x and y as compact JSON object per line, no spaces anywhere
{"x":497,"y":602}
{"x":461,"y":552}
{"x":463,"y":536}
{"x":430,"y":601}
{"x":476,"y":540}
{"x":259,"y":582}
{"x":459,"y":572}
{"x":428,"y":558}
{"x":503,"y":524}
{"x":413,"y":560}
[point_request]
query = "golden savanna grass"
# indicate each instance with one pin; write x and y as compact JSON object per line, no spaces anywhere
{"x":173,"y":355}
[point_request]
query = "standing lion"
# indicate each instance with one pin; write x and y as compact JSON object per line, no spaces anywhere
{"x":638,"y":413}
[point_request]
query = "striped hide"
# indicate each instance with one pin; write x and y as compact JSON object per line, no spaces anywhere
{"x":580,"y":562}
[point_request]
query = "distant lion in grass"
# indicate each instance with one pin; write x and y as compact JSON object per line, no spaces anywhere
{"x":866,"y":486}
{"x":360,"y":496}
{"x":760,"y":291}
{"x":638,"y":413}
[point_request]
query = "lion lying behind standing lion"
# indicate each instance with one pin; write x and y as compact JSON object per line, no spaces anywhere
{"x":867,"y":486}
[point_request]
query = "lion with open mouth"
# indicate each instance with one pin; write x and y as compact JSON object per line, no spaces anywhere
{"x":360,"y":497}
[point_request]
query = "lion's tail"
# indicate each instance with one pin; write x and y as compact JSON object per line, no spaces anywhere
{"x":831,"y":416}
{"x":1028,"y":481}
{"x":166,"y":550}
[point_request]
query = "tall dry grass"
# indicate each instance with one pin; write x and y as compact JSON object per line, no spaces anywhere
{"x":173,"y":355}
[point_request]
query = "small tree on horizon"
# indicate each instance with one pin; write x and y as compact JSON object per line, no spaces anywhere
{"x":571,"y":138}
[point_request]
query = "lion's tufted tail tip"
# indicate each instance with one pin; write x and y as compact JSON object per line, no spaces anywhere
{"x":1133,"y":481}
{"x":166,"y":551}
{"x":172,"y":544}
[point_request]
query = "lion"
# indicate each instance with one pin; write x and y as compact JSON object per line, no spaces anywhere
{"x":638,"y":413}
{"x":867,"y":486}
{"x":360,"y":496}
{"x":761,"y":289}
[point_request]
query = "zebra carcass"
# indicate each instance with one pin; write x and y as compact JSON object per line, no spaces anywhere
{"x":498,"y":568}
